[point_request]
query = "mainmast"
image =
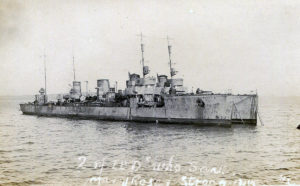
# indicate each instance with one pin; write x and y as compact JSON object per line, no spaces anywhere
{"x":142,"y":50}
{"x":170,"y":59}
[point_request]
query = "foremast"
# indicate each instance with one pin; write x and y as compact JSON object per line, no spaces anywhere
{"x":172,"y":70}
{"x":145,"y":69}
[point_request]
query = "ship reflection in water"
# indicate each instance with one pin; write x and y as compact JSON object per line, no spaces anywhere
{"x":61,"y":151}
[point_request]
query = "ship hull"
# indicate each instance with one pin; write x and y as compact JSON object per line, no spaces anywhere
{"x":218,"y":110}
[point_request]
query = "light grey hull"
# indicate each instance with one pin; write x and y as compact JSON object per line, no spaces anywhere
{"x":219,"y":109}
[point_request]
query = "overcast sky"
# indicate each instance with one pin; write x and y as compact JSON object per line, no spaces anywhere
{"x":217,"y":44}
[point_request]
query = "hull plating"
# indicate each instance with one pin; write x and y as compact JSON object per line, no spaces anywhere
{"x":219,"y":109}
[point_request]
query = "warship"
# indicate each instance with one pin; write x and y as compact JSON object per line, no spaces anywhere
{"x":159,"y":99}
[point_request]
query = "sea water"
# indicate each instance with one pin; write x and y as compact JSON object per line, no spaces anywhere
{"x":60,"y":151}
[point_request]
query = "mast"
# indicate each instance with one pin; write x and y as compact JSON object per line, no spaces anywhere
{"x":142,"y":50}
{"x":172,"y":70}
{"x":45,"y":72}
{"x":145,"y":69}
{"x":170,"y":60}
{"x":74,"y":67}
{"x":87,"y":87}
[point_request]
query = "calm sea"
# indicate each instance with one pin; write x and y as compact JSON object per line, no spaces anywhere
{"x":59,"y":151}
